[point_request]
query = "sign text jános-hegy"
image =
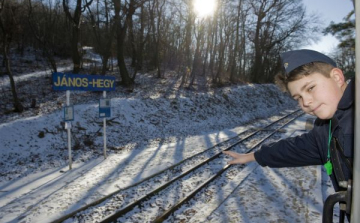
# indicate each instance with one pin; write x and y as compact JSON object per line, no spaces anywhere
{"x":81,"y":82}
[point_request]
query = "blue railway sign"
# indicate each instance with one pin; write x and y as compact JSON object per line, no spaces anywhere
{"x":104,"y":108}
{"x":82,"y":82}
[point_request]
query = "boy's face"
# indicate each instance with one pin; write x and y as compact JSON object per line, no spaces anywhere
{"x":319,"y":95}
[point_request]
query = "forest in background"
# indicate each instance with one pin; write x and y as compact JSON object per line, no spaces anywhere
{"x":240,"y":42}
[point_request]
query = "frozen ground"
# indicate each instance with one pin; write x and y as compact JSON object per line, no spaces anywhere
{"x":152,"y":127}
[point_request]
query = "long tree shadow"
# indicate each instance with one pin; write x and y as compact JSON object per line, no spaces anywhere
{"x":58,"y":182}
{"x":263,"y":195}
{"x":140,"y":176}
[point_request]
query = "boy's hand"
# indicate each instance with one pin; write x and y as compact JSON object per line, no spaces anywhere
{"x":240,"y":158}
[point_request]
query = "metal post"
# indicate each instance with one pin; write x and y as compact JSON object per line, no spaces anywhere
{"x":355,"y":207}
{"x":104,"y":120}
{"x":331,"y":200}
{"x":68,"y":125}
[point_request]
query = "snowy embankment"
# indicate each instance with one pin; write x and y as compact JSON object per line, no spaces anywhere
{"x":38,"y":143}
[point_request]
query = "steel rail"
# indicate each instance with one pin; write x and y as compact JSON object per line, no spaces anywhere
{"x":170,"y":211}
{"x":128,"y":208}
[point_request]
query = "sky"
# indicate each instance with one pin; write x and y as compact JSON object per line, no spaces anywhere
{"x":329,"y":10}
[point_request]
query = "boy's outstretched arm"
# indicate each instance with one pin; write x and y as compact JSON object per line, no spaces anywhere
{"x":240,"y":158}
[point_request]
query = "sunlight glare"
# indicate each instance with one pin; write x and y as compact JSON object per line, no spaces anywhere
{"x":204,"y":7}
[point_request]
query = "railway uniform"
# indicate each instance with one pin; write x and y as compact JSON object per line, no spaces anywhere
{"x":331,"y":141}
{"x":314,"y":80}
{"x":312,"y":148}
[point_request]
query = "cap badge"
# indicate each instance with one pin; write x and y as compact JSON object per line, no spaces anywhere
{"x":286,"y":65}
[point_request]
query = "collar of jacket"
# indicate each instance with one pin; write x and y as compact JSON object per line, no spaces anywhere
{"x":347,"y":99}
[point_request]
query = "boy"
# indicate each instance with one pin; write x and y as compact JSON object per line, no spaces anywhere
{"x":319,"y":86}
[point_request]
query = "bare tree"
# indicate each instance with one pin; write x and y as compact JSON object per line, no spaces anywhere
{"x":278,"y":24}
{"x":156,"y":16}
{"x":190,"y":20}
{"x":225,"y":30}
{"x":197,"y":55}
{"x":141,"y":40}
{"x":240,"y":41}
{"x":236,"y":61}
{"x":75,"y":21}
{"x":261,"y":9}
{"x":104,"y":29}
{"x":43,"y":21}
{"x":213,"y":43}
{"x":7,"y":25}
{"x":123,"y":15}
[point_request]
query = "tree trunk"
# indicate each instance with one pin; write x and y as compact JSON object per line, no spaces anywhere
{"x":188,"y":56}
{"x":120,"y":38}
{"x":214,"y":42}
{"x":141,"y":40}
{"x":197,"y":56}
{"x":75,"y":48}
{"x":16,"y":102}
{"x":6,"y":42}
{"x":236,"y":48}
{"x":75,"y":39}
{"x":257,"y":57}
{"x":125,"y":78}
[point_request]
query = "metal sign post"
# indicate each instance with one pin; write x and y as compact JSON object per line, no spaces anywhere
{"x":68,"y":127}
{"x":104,"y":112}
{"x":104,"y":119}
{"x":82,"y":82}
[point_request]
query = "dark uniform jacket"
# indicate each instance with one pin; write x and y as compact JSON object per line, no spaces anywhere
{"x":312,"y":148}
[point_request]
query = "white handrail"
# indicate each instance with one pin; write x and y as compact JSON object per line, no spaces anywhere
{"x":355,"y":213}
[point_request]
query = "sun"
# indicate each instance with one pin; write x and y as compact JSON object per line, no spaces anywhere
{"x":204,"y":8}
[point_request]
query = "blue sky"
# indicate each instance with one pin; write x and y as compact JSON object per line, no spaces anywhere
{"x":328,"y":10}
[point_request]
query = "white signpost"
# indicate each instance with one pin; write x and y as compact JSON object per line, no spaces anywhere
{"x":68,"y":117}
{"x":68,"y":82}
{"x":104,"y":112}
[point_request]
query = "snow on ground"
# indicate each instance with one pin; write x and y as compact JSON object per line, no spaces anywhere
{"x":278,"y":195}
{"x":153,"y":127}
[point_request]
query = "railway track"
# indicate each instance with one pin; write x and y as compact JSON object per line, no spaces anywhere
{"x":159,"y":196}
